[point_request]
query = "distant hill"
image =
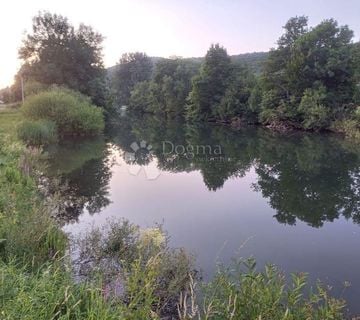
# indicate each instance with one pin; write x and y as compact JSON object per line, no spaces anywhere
{"x":254,"y":61}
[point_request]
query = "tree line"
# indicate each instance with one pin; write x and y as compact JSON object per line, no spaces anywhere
{"x":310,"y":81}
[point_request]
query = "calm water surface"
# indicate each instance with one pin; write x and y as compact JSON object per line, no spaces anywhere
{"x":220,"y":193}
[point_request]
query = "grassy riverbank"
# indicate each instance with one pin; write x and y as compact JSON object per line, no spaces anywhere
{"x":128,"y":273}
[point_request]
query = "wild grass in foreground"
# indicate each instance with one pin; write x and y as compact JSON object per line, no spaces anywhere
{"x":133,"y":274}
{"x":139,"y":268}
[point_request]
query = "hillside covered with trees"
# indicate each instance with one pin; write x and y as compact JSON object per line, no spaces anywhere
{"x":310,"y":81}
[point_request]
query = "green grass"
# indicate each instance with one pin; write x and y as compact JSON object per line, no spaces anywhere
{"x":9,"y":118}
{"x":37,"y":133}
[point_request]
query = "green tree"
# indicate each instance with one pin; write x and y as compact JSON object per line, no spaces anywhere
{"x":235,"y":102}
{"x":210,"y":85}
{"x":172,"y":79}
{"x":356,"y":66}
{"x":168,"y":89}
{"x":142,"y":97}
{"x":314,"y":111}
{"x":308,"y":59}
{"x":133,"y":68}
{"x":57,"y":53}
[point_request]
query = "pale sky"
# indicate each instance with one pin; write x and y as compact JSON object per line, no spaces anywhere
{"x":170,"y":27}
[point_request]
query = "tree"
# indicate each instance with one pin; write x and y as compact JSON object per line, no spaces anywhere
{"x":172,"y":79}
{"x":356,"y":66}
{"x":133,"y":68}
{"x":235,"y":102}
{"x":306,"y":60}
{"x":142,"y":97}
{"x":57,"y":53}
{"x":210,"y":85}
{"x":294,"y":29}
{"x":168,"y":89}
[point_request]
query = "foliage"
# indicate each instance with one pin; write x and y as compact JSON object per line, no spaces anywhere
{"x":172,"y":78}
{"x":57,"y":53}
{"x":243,"y":293}
{"x":235,"y":102}
{"x":356,"y":66}
{"x":132,"y":69}
{"x":313,"y":109}
{"x":37,"y":133}
{"x":309,"y":76}
{"x":210,"y":86}
{"x":122,"y":252}
{"x":9,"y":118}
{"x":72,"y":112}
{"x":33,"y":87}
{"x":349,"y":126}
{"x":142,"y":97}
{"x":168,"y":89}
{"x":27,"y":231}
{"x":50,"y":293}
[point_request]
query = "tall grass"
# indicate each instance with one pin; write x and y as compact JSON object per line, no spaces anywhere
{"x":50,"y":293}
{"x":243,"y":293}
{"x":27,"y":230}
{"x":37,"y":133}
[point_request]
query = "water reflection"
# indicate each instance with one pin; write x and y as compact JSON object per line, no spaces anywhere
{"x":307,"y":177}
{"x":84,"y":171}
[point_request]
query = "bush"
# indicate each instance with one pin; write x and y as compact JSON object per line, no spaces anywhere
{"x":34,"y":87}
{"x":315,"y":113}
{"x":151,"y":274}
{"x":37,"y":133}
{"x":349,"y":127}
{"x":268,"y":107}
{"x":72,"y":112}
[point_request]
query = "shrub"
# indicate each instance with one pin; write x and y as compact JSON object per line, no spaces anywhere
{"x":151,"y":274}
{"x":72,"y":112}
{"x":33,"y":87}
{"x":349,"y":127}
{"x":37,"y":133}
{"x":315,"y":113}
{"x":268,"y":106}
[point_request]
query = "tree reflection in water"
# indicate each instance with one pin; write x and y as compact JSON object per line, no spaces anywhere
{"x":309,"y":177}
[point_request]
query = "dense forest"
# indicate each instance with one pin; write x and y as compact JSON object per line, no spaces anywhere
{"x":310,"y":81}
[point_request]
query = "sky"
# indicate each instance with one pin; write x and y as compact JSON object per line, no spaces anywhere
{"x":170,"y":27}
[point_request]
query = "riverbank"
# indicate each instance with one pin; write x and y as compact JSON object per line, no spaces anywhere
{"x":348,"y":128}
{"x":155,"y":281}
